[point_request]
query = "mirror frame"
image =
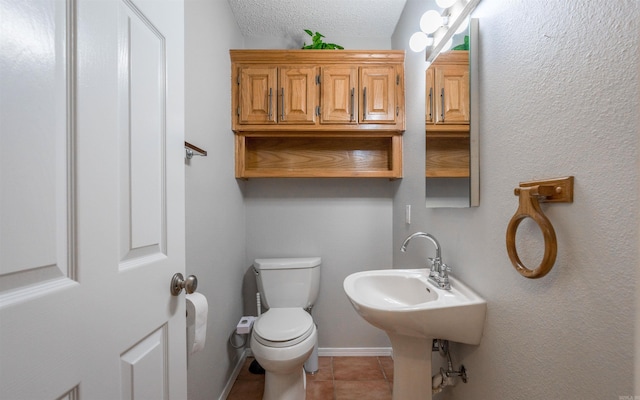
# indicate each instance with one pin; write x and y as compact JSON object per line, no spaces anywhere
{"x":472,"y":198}
{"x":474,"y":113}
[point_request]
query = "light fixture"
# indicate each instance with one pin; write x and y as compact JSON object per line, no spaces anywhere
{"x":438,"y":28}
{"x":430,"y":21}
{"x":418,"y":41}
{"x":458,"y":12}
{"x":445,"y":3}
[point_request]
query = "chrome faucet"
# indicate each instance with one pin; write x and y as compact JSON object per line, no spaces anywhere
{"x":439,"y":271}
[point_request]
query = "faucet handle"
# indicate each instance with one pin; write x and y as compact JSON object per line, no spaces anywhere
{"x":434,"y":268}
{"x":436,"y":261}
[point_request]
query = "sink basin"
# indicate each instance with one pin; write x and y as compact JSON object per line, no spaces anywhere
{"x":413,"y":312}
{"x":406,"y":303}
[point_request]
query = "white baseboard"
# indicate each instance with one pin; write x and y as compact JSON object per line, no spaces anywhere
{"x":354,"y":351}
{"x":234,"y":374}
{"x":345,"y":352}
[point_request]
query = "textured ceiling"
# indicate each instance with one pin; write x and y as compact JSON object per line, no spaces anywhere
{"x":332,"y":18}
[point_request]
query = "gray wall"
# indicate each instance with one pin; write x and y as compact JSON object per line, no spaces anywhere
{"x":558,"y":96}
{"x":345,"y":221}
{"x":215,"y":217}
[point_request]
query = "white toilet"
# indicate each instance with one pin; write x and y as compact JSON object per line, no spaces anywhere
{"x":284,"y":336}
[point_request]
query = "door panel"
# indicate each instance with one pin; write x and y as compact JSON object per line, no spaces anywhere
{"x":91,"y":179}
{"x":145,"y":374}
{"x":452,"y":94}
{"x":258,"y":95}
{"x":378,"y":95}
{"x":339,"y":97}
{"x":36,"y":233}
{"x":142,"y":103}
{"x":298,"y":95}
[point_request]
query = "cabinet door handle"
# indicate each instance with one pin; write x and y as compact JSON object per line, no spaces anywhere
{"x":353,"y":104}
{"x":430,"y":104}
{"x":442,"y":102}
{"x":270,"y":103}
{"x":282,"y":109}
{"x":364,"y":103}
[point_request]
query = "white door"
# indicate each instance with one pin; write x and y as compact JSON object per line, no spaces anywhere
{"x":91,"y":199}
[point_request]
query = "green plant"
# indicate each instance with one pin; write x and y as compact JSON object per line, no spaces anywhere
{"x":463,"y":46}
{"x":317,"y":43}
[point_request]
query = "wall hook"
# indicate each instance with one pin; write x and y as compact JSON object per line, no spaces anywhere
{"x":531,"y":194}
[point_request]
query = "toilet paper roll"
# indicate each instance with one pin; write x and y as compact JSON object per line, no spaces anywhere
{"x":197,"y":310}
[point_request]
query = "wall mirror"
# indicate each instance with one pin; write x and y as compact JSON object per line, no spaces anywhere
{"x":450,"y":40}
{"x":452,"y":162}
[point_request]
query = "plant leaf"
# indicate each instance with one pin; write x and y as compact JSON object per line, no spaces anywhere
{"x":317,"y":43}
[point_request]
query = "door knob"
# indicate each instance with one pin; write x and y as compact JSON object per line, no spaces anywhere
{"x":178,"y":283}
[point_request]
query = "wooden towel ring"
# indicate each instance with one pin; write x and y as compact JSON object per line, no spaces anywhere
{"x":529,"y":207}
{"x":556,"y":190}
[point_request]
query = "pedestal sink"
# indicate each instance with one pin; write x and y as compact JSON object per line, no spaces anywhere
{"x":413,"y":312}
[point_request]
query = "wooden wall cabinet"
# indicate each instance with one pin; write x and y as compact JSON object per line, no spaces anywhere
{"x":447,"y":116}
{"x":314,"y":113}
{"x":277,"y":95}
{"x":361,"y":95}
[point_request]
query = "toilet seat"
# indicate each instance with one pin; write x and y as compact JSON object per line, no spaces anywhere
{"x":283,"y":327}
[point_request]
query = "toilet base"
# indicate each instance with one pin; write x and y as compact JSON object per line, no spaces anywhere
{"x":284,"y":377}
{"x":291,"y":386}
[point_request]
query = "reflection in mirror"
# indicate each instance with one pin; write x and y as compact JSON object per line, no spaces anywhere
{"x":451,"y":171}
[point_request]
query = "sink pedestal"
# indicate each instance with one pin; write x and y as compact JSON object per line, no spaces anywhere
{"x":411,"y":367}
{"x":412,"y":311}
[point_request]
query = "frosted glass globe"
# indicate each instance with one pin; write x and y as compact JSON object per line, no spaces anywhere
{"x":418,"y":41}
{"x":430,"y":21}
{"x":445,"y":3}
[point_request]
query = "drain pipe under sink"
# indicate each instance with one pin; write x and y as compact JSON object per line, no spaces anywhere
{"x":446,"y":378}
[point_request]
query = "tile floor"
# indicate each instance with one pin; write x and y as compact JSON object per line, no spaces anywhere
{"x":338,"y":378}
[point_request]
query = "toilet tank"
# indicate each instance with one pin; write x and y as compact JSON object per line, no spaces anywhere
{"x":288,"y":282}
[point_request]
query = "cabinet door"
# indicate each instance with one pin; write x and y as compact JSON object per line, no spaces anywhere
{"x":378,"y":95}
{"x":297,"y":95}
{"x":429,"y":111}
{"x":258,"y":95}
{"x":339,"y":99}
{"x":452,"y":94}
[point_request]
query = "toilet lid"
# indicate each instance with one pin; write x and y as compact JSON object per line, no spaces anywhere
{"x":281,"y":327}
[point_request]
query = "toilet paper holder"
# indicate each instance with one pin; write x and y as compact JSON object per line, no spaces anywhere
{"x":178,"y":283}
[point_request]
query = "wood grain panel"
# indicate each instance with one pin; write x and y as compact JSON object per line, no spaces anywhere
{"x":447,"y":157}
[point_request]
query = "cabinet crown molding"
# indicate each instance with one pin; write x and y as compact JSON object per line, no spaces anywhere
{"x":317,"y":56}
